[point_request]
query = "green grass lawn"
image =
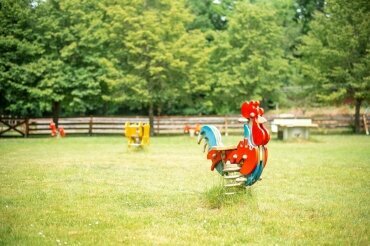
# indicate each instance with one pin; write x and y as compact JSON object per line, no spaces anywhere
{"x":94,"y":191}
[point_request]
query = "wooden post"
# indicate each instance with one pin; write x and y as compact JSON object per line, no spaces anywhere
{"x":364,"y":118}
{"x":26,"y":122}
{"x":158,"y":122}
{"x":91,"y":126}
{"x":12,"y":124}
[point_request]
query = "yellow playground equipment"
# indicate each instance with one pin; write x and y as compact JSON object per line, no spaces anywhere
{"x":137,"y":134}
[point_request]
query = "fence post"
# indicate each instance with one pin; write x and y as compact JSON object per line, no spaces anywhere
{"x":364,"y":118}
{"x":90,"y":125}
{"x":26,"y":122}
{"x":226,"y":127}
{"x":158,"y":122}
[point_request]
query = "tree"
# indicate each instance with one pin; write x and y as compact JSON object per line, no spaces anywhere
{"x":210,"y":14}
{"x":335,"y":54}
{"x":249,"y":59}
{"x":68,"y":70}
{"x":305,"y":10}
{"x":18,"y":50}
{"x":52,"y":56}
{"x":162,"y":61}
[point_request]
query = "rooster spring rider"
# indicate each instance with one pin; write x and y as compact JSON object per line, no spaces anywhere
{"x":240,"y":165}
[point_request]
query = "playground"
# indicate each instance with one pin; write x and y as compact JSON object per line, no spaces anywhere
{"x":96,"y":190}
{"x":157,"y":122}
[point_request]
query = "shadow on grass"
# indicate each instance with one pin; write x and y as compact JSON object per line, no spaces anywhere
{"x":137,"y":149}
{"x":216,"y":197}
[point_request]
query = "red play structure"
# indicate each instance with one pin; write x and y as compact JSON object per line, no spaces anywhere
{"x":242,"y":164}
{"x":56,"y":132}
{"x":189,"y":129}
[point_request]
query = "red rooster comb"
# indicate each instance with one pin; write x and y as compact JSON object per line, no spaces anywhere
{"x":251,"y":109}
{"x":253,"y":112}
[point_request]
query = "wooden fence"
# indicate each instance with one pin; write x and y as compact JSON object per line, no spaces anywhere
{"x":162,"y":125}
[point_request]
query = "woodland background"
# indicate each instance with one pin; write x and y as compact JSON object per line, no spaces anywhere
{"x":185,"y":57}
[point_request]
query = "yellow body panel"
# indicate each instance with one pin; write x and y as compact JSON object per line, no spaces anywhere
{"x":137,"y":134}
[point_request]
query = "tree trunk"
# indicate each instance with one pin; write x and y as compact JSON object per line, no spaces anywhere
{"x":358,"y":103}
{"x":151,"y":118}
{"x":56,"y":111}
{"x":159,"y":110}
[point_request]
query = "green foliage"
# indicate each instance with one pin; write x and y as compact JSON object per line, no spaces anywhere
{"x":68,"y":69}
{"x":50,"y":56}
{"x":179,"y":57}
{"x":18,"y":51}
{"x":163,"y":64}
{"x":210,"y":14}
{"x":335,"y":54}
{"x":305,"y":10}
{"x":249,"y":58}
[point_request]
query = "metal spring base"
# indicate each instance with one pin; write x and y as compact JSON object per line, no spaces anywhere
{"x":233,"y":179}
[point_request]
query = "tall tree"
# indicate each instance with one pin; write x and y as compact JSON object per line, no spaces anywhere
{"x":51,"y":56}
{"x":249,"y":59}
{"x":18,"y":50}
{"x":68,"y":70}
{"x":161,"y":58}
{"x":335,"y":54}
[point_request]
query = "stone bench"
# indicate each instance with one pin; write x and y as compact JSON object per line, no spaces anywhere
{"x":291,"y":128}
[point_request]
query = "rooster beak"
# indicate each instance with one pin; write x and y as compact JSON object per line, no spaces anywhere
{"x":261,"y":120}
{"x":200,"y":138}
{"x":243,"y":120}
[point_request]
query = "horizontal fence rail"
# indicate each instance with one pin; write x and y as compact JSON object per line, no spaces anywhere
{"x":162,"y":124}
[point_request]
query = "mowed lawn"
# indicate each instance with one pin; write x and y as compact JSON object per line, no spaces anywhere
{"x":94,"y":191}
